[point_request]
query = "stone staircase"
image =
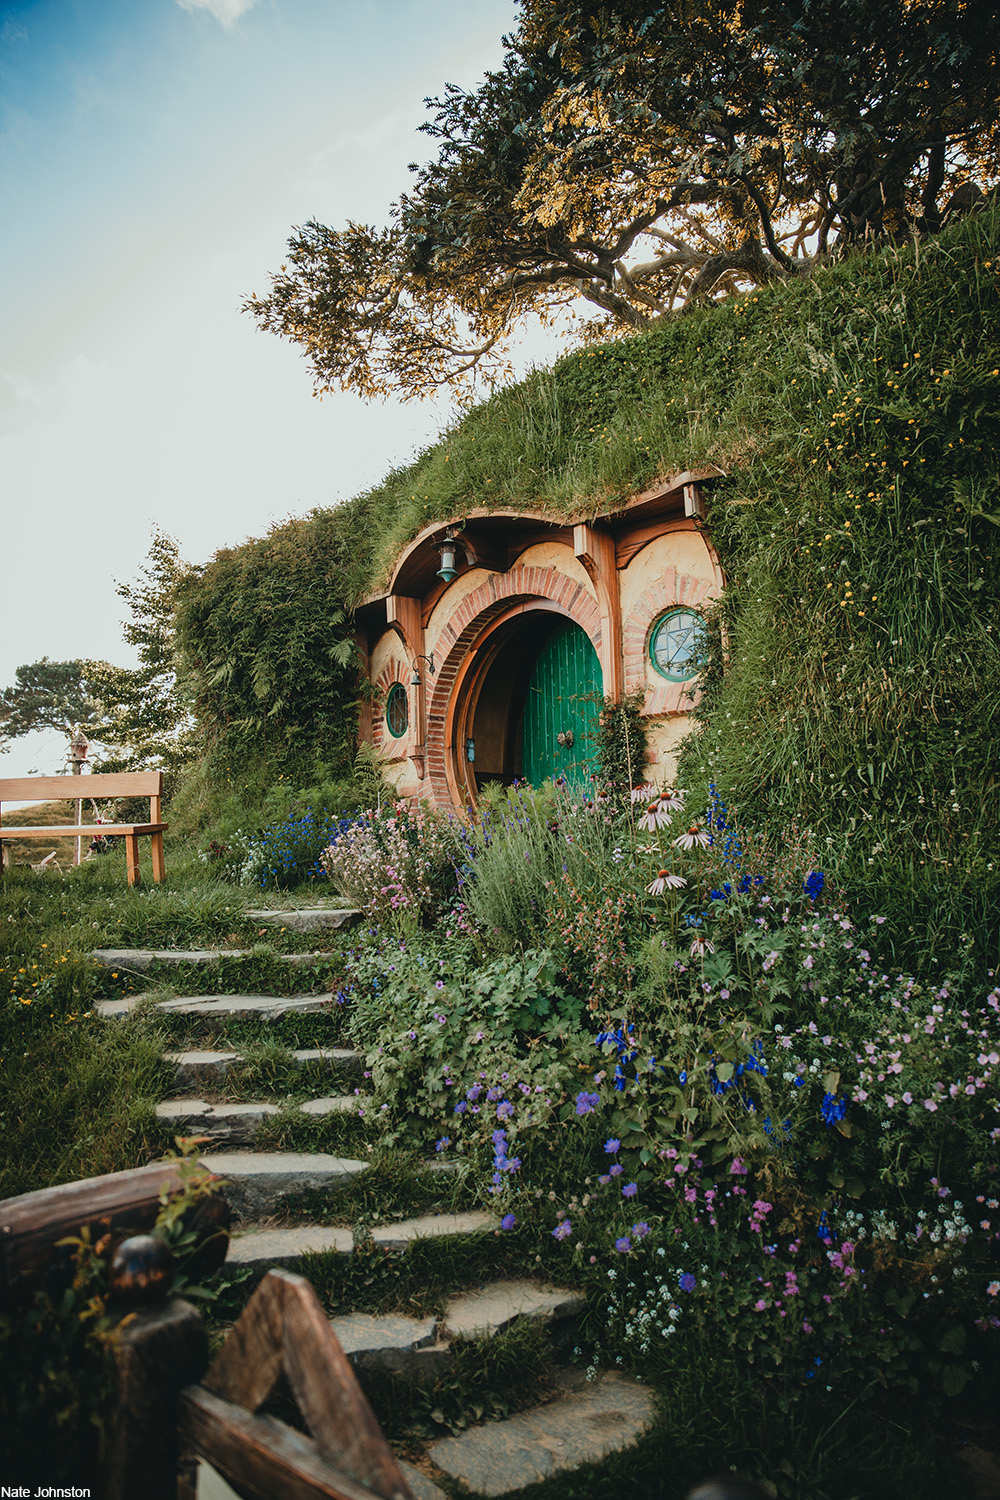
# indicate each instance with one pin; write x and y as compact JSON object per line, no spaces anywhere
{"x":575,"y":1421}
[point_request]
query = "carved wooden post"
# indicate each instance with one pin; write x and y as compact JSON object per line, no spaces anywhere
{"x":160,"y":1350}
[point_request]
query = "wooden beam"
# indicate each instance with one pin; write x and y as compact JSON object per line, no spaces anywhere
{"x":595,"y":549}
{"x":158,"y":1351}
{"x":31,"y":1224}
{"x":259,"y":1456}
{"x":284,"y":1328}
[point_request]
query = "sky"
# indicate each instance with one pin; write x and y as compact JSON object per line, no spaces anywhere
{"x":155,"y":156}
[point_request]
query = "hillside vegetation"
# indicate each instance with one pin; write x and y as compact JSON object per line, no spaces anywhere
{"x":854,"y":415}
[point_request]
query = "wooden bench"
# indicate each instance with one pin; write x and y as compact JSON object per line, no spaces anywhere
{"x":82,"y":789}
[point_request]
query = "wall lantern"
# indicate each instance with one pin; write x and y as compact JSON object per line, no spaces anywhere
{"x":415,"y":679}
{"x":446,"y":547}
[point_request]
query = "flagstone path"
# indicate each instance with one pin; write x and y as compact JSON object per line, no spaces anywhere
{"x":579,"y":1421}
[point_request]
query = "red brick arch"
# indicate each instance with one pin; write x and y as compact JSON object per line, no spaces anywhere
{"x":485,"y":606}
{"x":673,"y":588}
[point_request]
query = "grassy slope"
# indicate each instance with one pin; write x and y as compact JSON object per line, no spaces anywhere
{"x":855,"y":415}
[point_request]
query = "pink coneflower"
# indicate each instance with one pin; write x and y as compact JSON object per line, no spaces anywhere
{"x":665,"y":881}
{"x":696,"y":835}
{"x":672,"y":800}
{"x":643,"y":793}
{"x":701,"y":946}
{"x":655,"y":816}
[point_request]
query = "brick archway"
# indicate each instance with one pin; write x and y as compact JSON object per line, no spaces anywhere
{"x":496,"y":600}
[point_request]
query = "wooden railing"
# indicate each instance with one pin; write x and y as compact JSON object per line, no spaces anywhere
{"x":169,"y":1409}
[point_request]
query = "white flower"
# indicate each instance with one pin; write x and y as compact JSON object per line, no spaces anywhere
{"x":673,"y":801}
{"x":696,"y":835}
{"x":643,"y":793}
{"x":665,"y":881}
{"x":701,"y":946}
{"x":655,"y":816}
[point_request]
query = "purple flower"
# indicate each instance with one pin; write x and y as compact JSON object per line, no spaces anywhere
{"x":640,"y":1230}
{"x":444,"y":1141}
{"x":508,"y":1221}
{"x":562,"y":1229}
{"x":617,"y":1169}
{"x":612,"y":1146}
{"x":624,"y":1245}
{"x":686,"y":1282}
{"x":629,"y":1190}
{"x":587,"y":1103}
{"x":504,"y":1110}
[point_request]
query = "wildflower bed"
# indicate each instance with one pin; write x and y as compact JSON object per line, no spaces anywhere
{"x":686,"y":1073}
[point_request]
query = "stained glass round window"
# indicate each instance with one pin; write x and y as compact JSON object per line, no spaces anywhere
{"x":675,"y":644}
{"x":397,"y":711}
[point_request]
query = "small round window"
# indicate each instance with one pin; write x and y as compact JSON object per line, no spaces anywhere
{"x":397,"y":711}
{"x":675,"y":645}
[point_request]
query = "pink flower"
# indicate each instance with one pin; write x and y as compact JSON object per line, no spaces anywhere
{"x":665,"y":881}
{"x":642,"y":793}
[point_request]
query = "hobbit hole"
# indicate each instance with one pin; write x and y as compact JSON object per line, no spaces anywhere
{"x":489,"y":667}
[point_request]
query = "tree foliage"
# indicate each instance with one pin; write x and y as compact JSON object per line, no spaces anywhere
{"x":146,"y":718}
{"x":640,"y":160}
{"x":264,"y":639}
{"x":60,"y":695}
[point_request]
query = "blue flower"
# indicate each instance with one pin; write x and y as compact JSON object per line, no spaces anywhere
{"x":587,"y":1103}
{"x":612,"y":1146}
{"x":508,"y":1221}
{"x":686,"y":1281}
{"x":832,"y":1109}
{"x":813,"y":884}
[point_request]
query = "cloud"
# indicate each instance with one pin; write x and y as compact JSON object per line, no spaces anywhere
{"x":226,"y":11}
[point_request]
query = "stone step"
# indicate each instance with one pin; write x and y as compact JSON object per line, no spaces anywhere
{"x":415,"y":1346}
{"x":262,"y":1248}
{"x":431,"y":1226}
{"x":257,"y":1182}
{"x":482,"y":1313}
{"x":392,"y":1341}
{"x":143,"y":958}
{"x":221,"y":1007}
{"x":308,"y":919}
{"x":205,"y":1066}
{"x":237,"y":1123}
{"x":582,"y":1424}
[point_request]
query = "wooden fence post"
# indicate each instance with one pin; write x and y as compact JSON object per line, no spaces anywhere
{"x":160,"y":1350}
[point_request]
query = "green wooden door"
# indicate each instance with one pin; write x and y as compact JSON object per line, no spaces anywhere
{"x":565,"y":682}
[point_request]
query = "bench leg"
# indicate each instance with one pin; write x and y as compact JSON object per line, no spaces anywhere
{"x":132,"y":857}
{"x":159,"y":868}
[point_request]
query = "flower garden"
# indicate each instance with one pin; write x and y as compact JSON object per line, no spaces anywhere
{"x":692,"y":1076}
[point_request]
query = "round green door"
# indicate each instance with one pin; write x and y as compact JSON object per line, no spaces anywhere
{"x":561,"y":709}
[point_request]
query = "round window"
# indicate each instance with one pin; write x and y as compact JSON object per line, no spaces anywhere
{"x":675,"y":644}
{"x":397,"y":711}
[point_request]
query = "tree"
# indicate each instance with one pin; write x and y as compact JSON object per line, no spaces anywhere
{"x":640,"y":160}
{"x":146,"y":715}
{"x":46,"y":694}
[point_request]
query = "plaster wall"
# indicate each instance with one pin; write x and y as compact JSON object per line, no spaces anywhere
{"x":661,"y":562}
{"x":558,"y":556}
{"x":466,"y":583}
{"x":665,"y":737}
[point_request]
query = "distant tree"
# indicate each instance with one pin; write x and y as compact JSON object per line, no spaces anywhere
{"x":639,"y":158}
{"x":60,"y":695}
{"x":146,"y":720}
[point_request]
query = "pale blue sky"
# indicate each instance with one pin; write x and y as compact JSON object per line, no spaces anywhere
{"x":154,"y":157}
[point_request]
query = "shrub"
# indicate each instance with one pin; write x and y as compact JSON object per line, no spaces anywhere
{"x":397,"y":864}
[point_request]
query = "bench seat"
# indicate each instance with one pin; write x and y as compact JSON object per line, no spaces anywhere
{"x":80,"y":789}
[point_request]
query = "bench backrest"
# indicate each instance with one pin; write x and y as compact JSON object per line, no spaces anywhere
{"x":79,"y":788}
